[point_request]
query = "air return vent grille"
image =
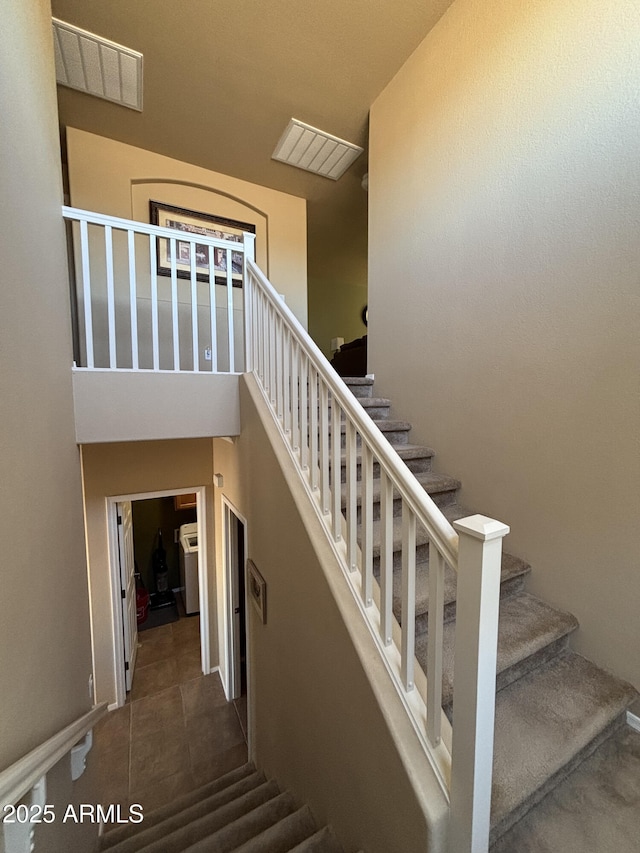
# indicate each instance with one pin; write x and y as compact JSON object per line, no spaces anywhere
{"x":314,"y":150}
{"x":97,"y":66}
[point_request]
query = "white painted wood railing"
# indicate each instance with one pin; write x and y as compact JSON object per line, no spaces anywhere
{"x":332,"y":440}
{"x":29,"y":773}
{"x":147,"y":298}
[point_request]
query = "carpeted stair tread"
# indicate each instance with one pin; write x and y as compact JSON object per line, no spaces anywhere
{"x":178,"y":804}
{"x":512,"y":567}
{"x":417,"y":458}
{"x":204,"y":827}
{"x":387,"y":425}
{"x":596,"y":809}
{"x":289,"y":832}
{"x":546,"y":723}
{"x":432,"y":483}
{"x":233,"y":835}
{"x":323,"y":841}
{"x":527,"y":628}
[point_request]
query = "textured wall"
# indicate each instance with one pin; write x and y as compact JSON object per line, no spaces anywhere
{"x":505,"y":197}
{"x":45,"y":650}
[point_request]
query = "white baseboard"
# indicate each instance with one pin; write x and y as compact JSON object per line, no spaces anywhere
{"x":217,"y":669}
{"x":633,"y":720}
{"x":113,"y":706}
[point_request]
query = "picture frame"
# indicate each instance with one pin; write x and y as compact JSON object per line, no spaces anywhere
{"x":257,"y":590}
{"x":194,"y":222}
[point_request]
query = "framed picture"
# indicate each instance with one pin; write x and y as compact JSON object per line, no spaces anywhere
{"x":257,"y":590}
{"x":207,"y":225}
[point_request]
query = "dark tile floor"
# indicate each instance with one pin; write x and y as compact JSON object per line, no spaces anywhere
{"x":177,"y":730}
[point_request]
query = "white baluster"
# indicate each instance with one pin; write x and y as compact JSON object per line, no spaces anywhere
{"x":313,"y":427}
{"x":153,"y":266}
{"x":366,"y":510}
{"x":212,"y":312}
{"x":232,"y":348}
{"x":111,"y":302}
{"x":286,"y":370}
{"x":336,"y":470}
{"x":386,"y":558}
{"x":407,"y":650}
{"x":304,"y":412}
{"x":352,"y":496}
{"x":295,"y":396}
{"x":324,"y":447}
{"x":279,"y":369}
{"x":174,"y":305}
{"x":435,"y":640}
{"x":133,"y":300}
{"x":86,"y":290}
{"x":194,"y":307}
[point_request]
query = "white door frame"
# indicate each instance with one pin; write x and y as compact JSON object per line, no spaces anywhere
{"x":228,"y":674}
{"x":116,"y":601}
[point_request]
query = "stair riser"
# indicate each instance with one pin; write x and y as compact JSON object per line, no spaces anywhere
{"x":507,"y":588}
{"x":361,"y":390}
{"x":441,"y":499}
{"x":422,"y":553}
{"x":377,"y":413}
{"x":419,"y":465}
{"x":397,"y":437}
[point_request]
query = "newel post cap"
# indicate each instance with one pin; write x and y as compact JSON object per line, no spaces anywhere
{"x":481,"y":527}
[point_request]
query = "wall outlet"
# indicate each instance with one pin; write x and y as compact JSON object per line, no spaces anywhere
{"x":207,"y":354}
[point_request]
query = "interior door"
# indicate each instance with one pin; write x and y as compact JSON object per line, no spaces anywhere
{"x":128,"y":589}
{"x":235,"y":573}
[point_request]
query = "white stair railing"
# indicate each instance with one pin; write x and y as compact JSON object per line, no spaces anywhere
{"x":154,"y":298}
{"x":330,"y":437}
{"x":26,"y":779}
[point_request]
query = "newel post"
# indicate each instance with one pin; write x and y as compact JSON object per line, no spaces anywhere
{"x":478,"y":598}
{"x":249,"y":241}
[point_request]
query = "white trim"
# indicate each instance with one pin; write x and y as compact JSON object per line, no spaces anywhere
{"x":225,"y":604}
{"x":633,"y":720}
{"x":114,"y":579}
{"x":24,"y":774}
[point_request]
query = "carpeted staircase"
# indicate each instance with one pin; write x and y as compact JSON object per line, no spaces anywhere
{"x":554,"y":708}
{"x":241,"y":812}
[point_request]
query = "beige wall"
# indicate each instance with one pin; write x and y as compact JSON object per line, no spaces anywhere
{"x":505,"y":197}
{"x":338,"y":267}
{"x":117,"y":179}
{"x":45,"y":651}
{"x":136,"y":468}
{"x":315,"y":679}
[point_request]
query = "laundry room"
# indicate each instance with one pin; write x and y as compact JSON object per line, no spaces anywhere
{"x":165,"y":549}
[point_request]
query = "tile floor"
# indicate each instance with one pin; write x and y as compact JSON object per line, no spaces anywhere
{"x":177,"y":730}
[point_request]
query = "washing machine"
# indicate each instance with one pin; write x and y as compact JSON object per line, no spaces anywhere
{"x":189,"y":567}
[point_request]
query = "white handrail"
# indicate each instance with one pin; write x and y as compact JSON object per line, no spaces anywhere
{"x":21,"y":776}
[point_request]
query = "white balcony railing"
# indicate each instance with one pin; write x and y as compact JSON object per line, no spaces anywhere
{"x":151,"y":298}
{"x":130,"y":317}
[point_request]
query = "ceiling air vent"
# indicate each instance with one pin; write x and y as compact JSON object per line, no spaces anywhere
{"x":314,"y":150}
{"x":97,"y":66}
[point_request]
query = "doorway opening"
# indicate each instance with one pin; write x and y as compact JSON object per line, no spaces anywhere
{"x":158,"y":552}
{"x":235,"y":550}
